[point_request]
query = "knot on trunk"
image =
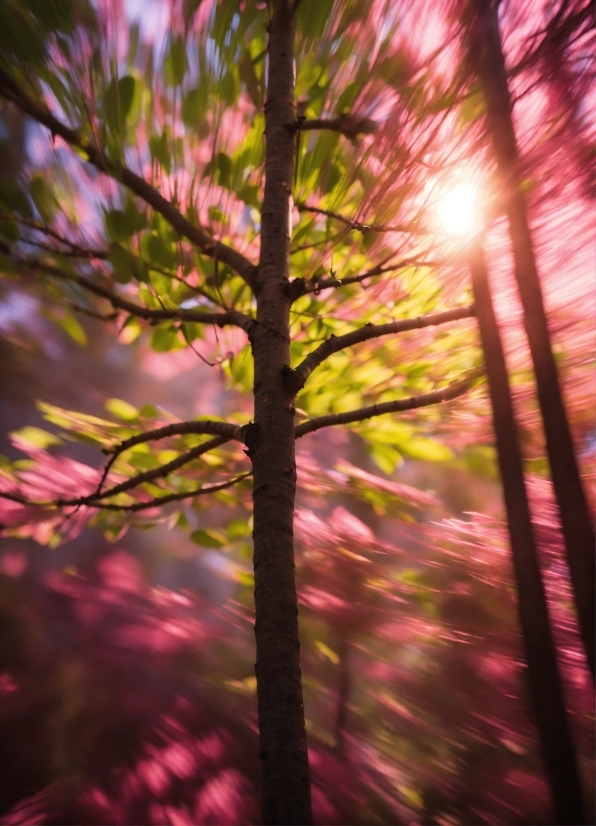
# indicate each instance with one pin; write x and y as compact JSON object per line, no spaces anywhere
{"x":251,"y":436}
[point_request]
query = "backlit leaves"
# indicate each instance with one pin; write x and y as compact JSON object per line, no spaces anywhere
{"x":118,"y":101}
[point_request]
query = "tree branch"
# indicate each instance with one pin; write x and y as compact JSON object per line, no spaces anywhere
{"x":297,"y":378}
{"x":347,"y":124}
{"x":137,"y":506}
{"x":225,"y":430}
{"x":356,"y":225}
{"x":198,"y":237}
{"x":77,"y":251}
{"x":158,"y":501}
{"x":228,"y":430}
{"x":91,"y":313}
{"x":223,"y":319}
{"x":148,"y":476}
{"x":454,"y":390}
{"x":315,"y":285}
{"x":556,"y":35}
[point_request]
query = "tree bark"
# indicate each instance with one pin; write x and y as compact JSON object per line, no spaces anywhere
{"x":487,"y":54}
{"x":543,"y":673}
{"x":270,"y":441}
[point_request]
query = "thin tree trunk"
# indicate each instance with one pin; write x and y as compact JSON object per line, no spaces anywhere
{"x":578,"y":531}
{"x":343,"y":693}
{"x":283,"y":752}
{"x":543,"y":673}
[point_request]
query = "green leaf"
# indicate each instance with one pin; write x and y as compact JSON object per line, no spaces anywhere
{"x":122,"y":410}
{"x":191,"y":331}
{"x":208,"y":539}
{"x":165,"y":339}
{"x":126,"y":265}
{"x":176,"y":62}
{"x":347,"y":97}
{"x":238,"y":528}
{"x":117,"y":226}
{"x":385,"y":457}
{"x":157,"y":251}
{"x":313,"y":17}
{"x":194,"y":106}
{"x":159,"y":146}
{"x":117,"y":102}
{"x":230,"y":86}
{"x":327,"y":652}
{"x":224,"y":168}
{"x":250,"y":79}
{"x":134,"y":218}
{"x":36,"y":437}
{"x":121,"y":261}
{"x":43,"y":197}
{"x":428,"y":450}
{"x":73,"y":329}
{"x":249,"y":193}
{"x":149,"y":411}
{"x":482,"y":460}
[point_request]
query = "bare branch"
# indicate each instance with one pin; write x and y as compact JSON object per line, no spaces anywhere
{"x":224,"y":430}
{"x":557,"y":33}
{"x":228,"y":430}
{"x":315,"y":285}
{"x":148,"y":476}
{"x":158,"y":501}
{"x":91,"y":313}
{"x":220,"y":319}
{"x":77,"y":251}
{"x":297,"y":378}
{"x":316,"y":244}
{"x":137,"y":506}
{"x":356,"y":225}
{"x":198,"y":237}
{"x":347,"y":124}
{"x":454,"y":390}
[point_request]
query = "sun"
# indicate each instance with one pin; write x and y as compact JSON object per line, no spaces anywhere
{"x":457,"y":209}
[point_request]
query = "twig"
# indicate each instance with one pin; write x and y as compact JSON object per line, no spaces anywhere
{"x":148,"y":476}
{"x":315,"y":285}
{"x":347,"y":124}
{"x":359,"y":226}
{"x":76,"y":251}
{"x":173,"y":497}
{"x":85,"y":311}
{"x":225,"y":430}
{"x":137,"y":506}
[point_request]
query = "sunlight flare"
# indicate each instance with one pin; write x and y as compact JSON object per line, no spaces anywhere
{"x":457,"y":209}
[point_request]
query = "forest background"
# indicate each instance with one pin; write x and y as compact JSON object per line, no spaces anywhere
{"x":128,"y":666}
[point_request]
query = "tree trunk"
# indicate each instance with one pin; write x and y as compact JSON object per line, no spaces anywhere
{"x":487,"y":53}
{"x":283,"y":752}
{"x":343,"y":692}
{"x":543,"y":673}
